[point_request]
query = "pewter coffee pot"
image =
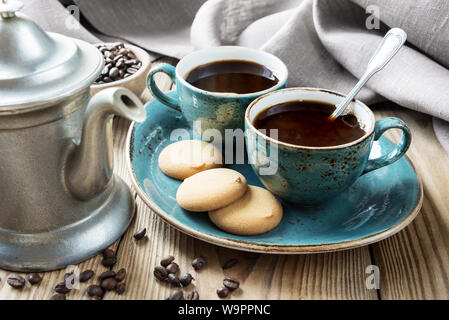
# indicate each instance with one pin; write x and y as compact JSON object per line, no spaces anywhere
{"x":59,"y":200}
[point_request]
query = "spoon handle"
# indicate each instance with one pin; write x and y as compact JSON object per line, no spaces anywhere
{"x":392,"y":42}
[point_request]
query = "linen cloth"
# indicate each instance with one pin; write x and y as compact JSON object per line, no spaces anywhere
{"x":324,"y":43}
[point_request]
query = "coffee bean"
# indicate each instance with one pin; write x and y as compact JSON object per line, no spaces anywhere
{"x":108,"y":253}
{"x":131,"y":70}
{"x":105,"y":71}
{"x":86,"y":275}
{"x":222,"y":292}
{"x":107,"y":274}
{"x":123,"y":51}
{"x":16,"y":281}
{"x":198,"y":263}
{"x":121,"y":288}
{"x":167,"y":260}
{"x":131,"y":55}
{"x":95,"y":298}
{"x":108,"y":54}
{"x":126,"y":75}
{"x":34,"y":278}
{"x":107,"y":79}
{"x":58,"y":296}
{"x":121,"y":274}
{"x":229,"y":264}
{"x":94,"y":290}
{"x":61,"y":288}
{"x":140,"y":234}
{"x":173,"y":280}
{"x":130,"y":62}
{"x":193,"y":296}
{"x":113,"y":73}
{"x":109,"y":284}
{"x":176,"y":295}
{"x":118,"y":57}
{"x":109,"y":262}
{"x":231,"y":283}
{"x":160,"y":273}
{"x":186,"y":279}
{"x":120,"y":64}
{"x":173,"y":268}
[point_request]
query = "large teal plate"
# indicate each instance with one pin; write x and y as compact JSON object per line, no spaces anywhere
{"x":377,"y":206}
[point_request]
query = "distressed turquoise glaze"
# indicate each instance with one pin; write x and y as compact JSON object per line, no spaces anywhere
{"x":378,"y":202}
{"x":201,"y":108}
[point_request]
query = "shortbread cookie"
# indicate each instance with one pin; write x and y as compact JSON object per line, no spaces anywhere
{"x":258,"y":211}
{"x":211,"y":189}
{"x":185,"y":158}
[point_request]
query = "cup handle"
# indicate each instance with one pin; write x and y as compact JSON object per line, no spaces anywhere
{"x":402,"y":147}
{"x":155,"y":91}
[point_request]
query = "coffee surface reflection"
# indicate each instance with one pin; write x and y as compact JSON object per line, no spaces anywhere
{"x":306,"y":123}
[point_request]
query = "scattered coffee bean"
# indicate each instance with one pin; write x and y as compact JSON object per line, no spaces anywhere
{"x":222,"y":292}
{"x":229,"y":264}
{"x":107,"y":274}
{"x":173,"y":280}
{"x":109,"y":262}
{"x":34,"y":278}
{"x":160,"y":273}
{"x":186,"y":279}
{"x":140,"y":234}
{"x":95,"y":298}
{"x":16,"y":281}
{"x":121,"y":274}
{"x":198,"y":263}
{"x":173,"y":268}
{"x":109,"y":284}
{"x":61,"y":288}
{"x":117,"y":58}
{"x":121,"y":288}
{"x":108,"y":253}
{"x":193,"y":296}
{"x":58,"y":296}
{"x":167,"y":260}
{"x":231,"y":283}
{"x":94,"y":290}
{"x":176,"y":295}
{"x":86,"y":275}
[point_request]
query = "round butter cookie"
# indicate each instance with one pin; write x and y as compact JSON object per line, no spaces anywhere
{"x":258,"y":211}
{"x":211,"y":189}
{"x":185,"y":158}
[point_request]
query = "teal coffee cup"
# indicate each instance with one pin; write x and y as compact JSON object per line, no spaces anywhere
{"x":311,"y":175}
{"x":214,"y":110}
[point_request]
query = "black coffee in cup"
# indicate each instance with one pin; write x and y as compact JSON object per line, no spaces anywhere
{"x":236,"y":76}
{"x":306,"y":123}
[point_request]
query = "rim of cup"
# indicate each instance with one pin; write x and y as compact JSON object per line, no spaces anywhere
{"x":368,"y":131}
{"x":253,"y":55}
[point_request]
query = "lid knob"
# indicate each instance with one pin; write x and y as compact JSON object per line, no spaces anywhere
{"x":9,"y":8}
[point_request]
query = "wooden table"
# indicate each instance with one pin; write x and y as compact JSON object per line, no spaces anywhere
{"x":413,"y":264}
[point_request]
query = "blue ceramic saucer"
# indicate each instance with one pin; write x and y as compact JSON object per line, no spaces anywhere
{"x":377,"y":206}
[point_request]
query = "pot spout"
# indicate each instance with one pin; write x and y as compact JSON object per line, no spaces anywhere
{"x":90,"y":165}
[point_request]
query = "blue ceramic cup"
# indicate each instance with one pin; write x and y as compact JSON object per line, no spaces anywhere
{"x":310,"y":175}
{"x":213,"y":110}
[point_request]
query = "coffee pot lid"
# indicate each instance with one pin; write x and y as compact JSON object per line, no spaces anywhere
{"x":36,"y":67}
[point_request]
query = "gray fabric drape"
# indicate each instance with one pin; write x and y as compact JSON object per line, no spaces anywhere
{"x":325,"y":43}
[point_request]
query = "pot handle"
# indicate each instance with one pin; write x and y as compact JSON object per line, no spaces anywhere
{"x":402,"y":147}
{"x":169,"y":70}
